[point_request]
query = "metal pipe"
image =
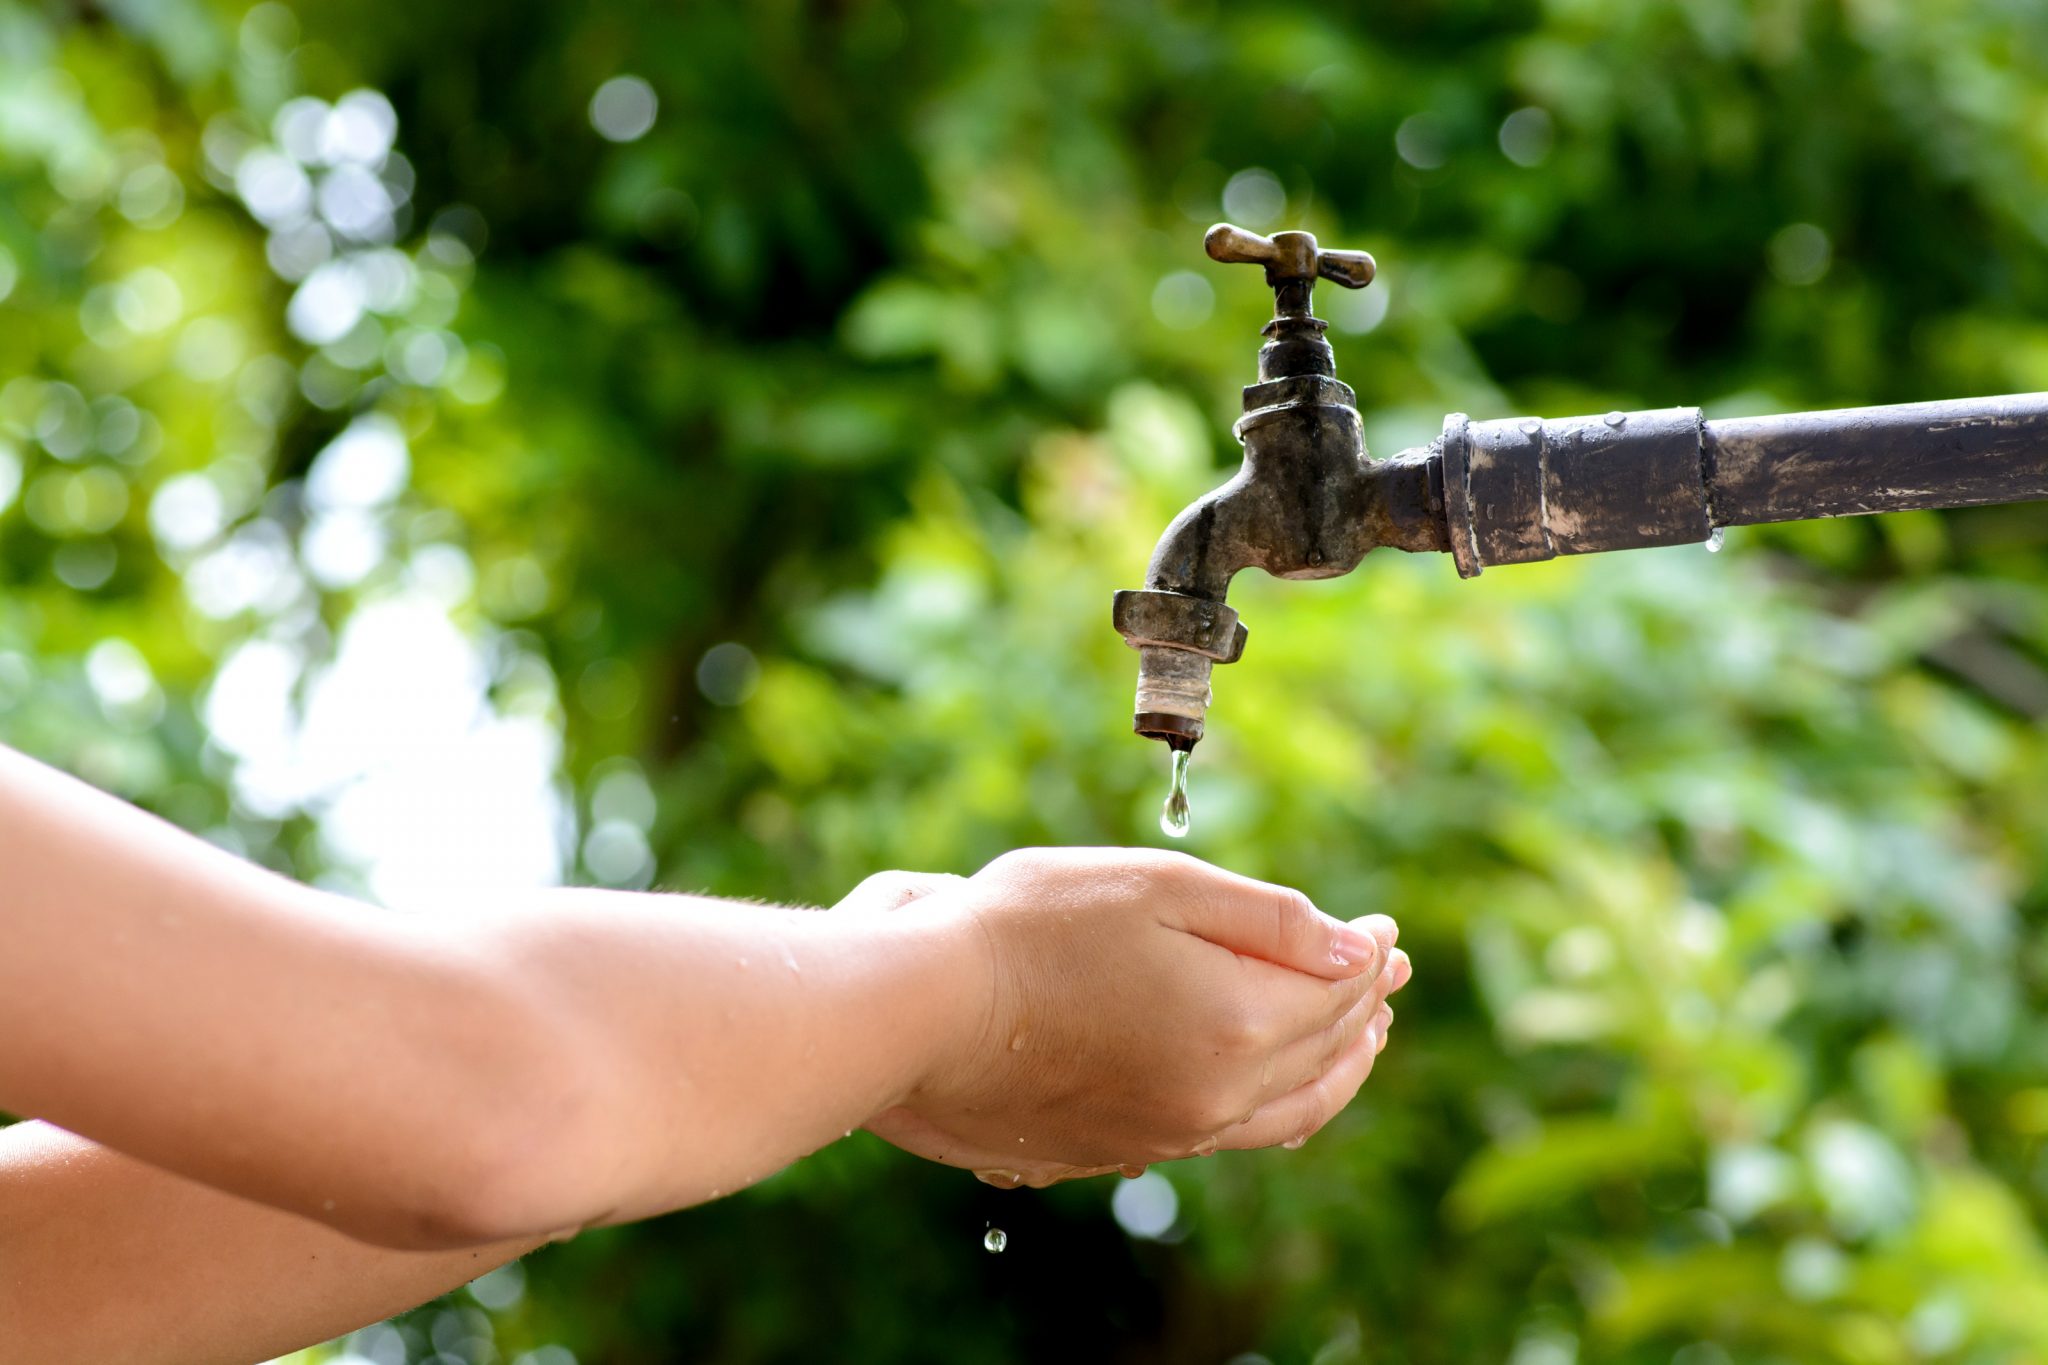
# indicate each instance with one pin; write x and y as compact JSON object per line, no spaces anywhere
{"x":1310,"y":503}
{"x":1959,"y":453}
{"x":1523,"y":489}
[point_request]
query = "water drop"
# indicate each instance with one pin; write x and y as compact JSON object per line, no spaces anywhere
{"x":1615,"y":419}
{"x":1530,"y":426}
{"x":1174,"y":819}
{"x":1017,"y":1043}
{"x":995,"y":1239}
{"x":1714,"y":540}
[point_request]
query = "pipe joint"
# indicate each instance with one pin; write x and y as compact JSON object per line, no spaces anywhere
{"x":1521,"y":489}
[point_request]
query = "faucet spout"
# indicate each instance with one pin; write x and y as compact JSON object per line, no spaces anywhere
{"x":1307,"y":503}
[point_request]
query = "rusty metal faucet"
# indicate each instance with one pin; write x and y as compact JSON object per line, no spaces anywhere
{"x":1309,"y":502}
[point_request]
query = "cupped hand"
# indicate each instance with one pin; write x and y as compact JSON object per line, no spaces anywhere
{"x":1141,"y":1006}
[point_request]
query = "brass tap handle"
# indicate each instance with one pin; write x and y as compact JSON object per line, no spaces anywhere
{"x":1289,"y":258}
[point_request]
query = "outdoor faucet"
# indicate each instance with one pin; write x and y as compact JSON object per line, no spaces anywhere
{"x":1309,"y":502}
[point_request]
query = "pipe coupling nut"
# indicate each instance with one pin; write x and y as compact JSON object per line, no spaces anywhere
{"x":1176,"y":620}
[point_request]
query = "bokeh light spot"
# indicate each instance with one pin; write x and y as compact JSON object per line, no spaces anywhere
{"x":1146,"y":1207}
{"x":187,"y":512}
{"x":728,"y":674}
{"x":1254,"y":198}
{"x":623,"y":109}
{"x":1800,"y":253}
{"x":1526,"y":136}
{"x":1422,"y":141}
{"x":10,"y":475}
{"x":1183,"y":300}
{"x":365,"y":467}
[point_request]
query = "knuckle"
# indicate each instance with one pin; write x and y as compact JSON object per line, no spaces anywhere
{"x":1342,"y":1036}
{"x":1294,"y":916}
{"x":1190,"y":1116}
{"x":1243,"y":1031}
{"x":1170,"y":870}
{"x":1214,"y":1113}
{"x":1325,"y":1102}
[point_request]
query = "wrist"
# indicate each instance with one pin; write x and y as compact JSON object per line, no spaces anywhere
{"x":949,"y":984}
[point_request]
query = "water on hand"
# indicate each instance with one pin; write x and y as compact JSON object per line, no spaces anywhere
{"x":995,"y":1239}
{"x":1173,"y":820}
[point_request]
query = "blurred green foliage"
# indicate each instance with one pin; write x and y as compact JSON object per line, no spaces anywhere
{"x":781,"y":458}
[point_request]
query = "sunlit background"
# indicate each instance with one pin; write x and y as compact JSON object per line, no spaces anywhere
{"x":446,"y":448}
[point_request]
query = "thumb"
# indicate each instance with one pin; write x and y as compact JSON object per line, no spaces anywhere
{"x":1281,"y":925}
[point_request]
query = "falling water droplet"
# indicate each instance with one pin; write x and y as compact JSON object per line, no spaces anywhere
{"x":1714,"y":540}
{"x":995,"y":1239}
{"x":1615,"y":419}
{"x":1174,"y":819}
{"x":1530,"y":426}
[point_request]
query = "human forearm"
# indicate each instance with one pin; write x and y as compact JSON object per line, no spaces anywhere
{"x":105,"y":1258}
{"x":441,"y":1080}
{"x":736,"y":1038}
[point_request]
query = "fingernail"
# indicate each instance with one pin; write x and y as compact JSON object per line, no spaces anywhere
{"x":1356,"y":946}
{"x":1381,"y":928}
{"x":1403,"y":969}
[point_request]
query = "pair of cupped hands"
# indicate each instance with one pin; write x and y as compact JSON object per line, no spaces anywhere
{"x":1143,"y":1006}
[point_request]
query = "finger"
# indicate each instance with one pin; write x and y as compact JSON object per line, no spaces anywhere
{"x":1293,"y":1118}
{"x":1297,"y":1007}
{"x":1304,"y":1059}
{"x":1279,"y":1005}
{"x":1280,"y":925}
{"x":1403,"y":969}
{"x":894,"y":890}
